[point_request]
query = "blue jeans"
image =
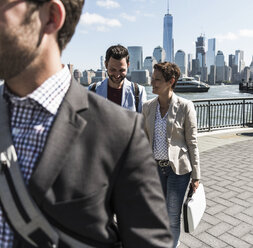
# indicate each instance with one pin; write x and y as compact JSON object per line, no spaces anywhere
{"x":174,"y":188}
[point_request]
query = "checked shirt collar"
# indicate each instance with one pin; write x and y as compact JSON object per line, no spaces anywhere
{"x":49,"y":95}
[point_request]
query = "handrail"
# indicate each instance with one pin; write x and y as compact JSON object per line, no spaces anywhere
{"x":217,"y":113}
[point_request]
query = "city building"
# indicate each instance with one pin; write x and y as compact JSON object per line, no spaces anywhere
{"x":189,"y":64}
{"x":220,"y":67}
{"x":102,"y":63}
{"x":231,"y":60}
{"x":246,"y":73}
{"x":195,"y":68}
{"x":87,"y":77}
{"x":99,"y":76}
{"x":210,"y":55}
{"x":141,"y":77}
{"x":228,"y":73}
{"x":200,"y":50}
{"x":168,"y":43}
{"x":212,"y":75}
{"x":204,"y":74}
{"x":135,"y":58}
{"x":239,"y":60}
{"x":149,"y":63}
{"x":159,"y":54}
{"x":251,"y":69}
{"x":180,"y":60}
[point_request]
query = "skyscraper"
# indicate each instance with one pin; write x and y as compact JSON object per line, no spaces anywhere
{"x":168,"y":43}
{"x":135,"y":58}
{"x":159,"y":54}
{"x":200,"y":51}
{"x":180,"y":60}
{"x":210,"y":55}
{"x":220,"y":67}
{"x":239,"y":60}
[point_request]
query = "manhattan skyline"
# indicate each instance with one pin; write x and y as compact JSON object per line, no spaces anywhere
{"x":140,"y":23}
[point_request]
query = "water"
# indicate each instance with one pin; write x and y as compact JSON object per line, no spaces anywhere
{"x":219,"y":91}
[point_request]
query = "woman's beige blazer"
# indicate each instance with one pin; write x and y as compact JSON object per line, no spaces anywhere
{"x":181,"y":134}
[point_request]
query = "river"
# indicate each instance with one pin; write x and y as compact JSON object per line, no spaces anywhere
{"x":219,"y":91}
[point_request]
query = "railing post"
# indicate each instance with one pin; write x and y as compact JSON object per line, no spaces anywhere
{"x":209,"y":116}
{"x":243,"y":109}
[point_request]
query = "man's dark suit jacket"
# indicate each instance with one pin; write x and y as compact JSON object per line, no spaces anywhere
{"x":96,"y":163}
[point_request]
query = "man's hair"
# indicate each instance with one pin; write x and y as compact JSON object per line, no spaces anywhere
{"x":73,"y":10}
{"x":169,"y":71}
{"x":117,"y":52}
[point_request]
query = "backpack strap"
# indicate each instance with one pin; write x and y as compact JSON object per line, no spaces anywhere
{"x":93,"y":88}
{"x":136,"y":96}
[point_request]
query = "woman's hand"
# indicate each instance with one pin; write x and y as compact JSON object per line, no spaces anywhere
{"x":195,"y":184}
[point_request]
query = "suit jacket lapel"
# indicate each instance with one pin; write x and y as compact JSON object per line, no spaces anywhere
{"x":5,"y":133}
{"x":67,"y":126}
{"x":172,"y":114}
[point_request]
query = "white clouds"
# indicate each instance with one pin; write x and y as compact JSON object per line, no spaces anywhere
{"x":130,"y":18}
{"x":230,"y":36}
{"x":227,"y":36}
{"x":246,"y":33}
{"x":108,"y":4}
{"x":101,"y":23}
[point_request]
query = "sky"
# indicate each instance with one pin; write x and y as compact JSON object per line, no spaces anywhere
{"x":140,"y":23}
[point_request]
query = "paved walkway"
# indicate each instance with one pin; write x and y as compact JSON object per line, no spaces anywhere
{"x":227,"y":174}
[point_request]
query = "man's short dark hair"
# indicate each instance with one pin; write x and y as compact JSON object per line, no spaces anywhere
{"x":169,"y":71}
{"x":117,"y":52}
{"x":73,"y":10}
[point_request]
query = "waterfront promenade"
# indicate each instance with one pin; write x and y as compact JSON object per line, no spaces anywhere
{"x":227,"y":174}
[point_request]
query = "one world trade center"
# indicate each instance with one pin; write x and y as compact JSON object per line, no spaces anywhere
{"x":168,"y":42}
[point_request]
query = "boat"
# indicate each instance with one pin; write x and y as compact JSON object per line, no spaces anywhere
{"x":190,"y":84}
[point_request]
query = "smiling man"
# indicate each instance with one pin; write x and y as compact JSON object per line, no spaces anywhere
{"x":80,"y":158}
{"x":116,"y":87}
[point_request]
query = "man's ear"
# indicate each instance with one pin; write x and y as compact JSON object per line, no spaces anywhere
{"x":55,"y":16}
{"x":106,"y":64}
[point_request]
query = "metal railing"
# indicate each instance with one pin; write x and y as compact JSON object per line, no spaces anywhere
{"x":215,"y":114}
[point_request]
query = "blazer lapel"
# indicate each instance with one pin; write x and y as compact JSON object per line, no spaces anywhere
{"x":172,"y":114}
{"x":151,"y":120}
{"x":67,"y":126}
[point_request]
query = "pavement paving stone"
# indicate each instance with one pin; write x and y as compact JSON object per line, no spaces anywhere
{"x":235,"y":209}
{"x":245,"y":218}
{"x":219,"y":229}
{"x":235,"y":188}
{"x":223,"y":202}
{"x":240,"y":202}
{"x":228,"y":219}
{"x":240,"y":230}
{"x":211,"y":240}
{"x":249,"y":211}
{"x":248,"y":238}
{"x":227,"y":175}
{"x":234,"y":241}
{"x":213,"y":220}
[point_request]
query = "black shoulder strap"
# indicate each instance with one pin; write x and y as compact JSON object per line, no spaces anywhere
{"x":136,"y":96}
{"x":22,"y":213}
{"x":93,"y":88}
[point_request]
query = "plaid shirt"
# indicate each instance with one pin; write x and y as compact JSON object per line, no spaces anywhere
{"x":31,"y":118}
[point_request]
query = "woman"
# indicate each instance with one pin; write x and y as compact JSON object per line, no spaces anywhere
{"x":171,"y":127}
